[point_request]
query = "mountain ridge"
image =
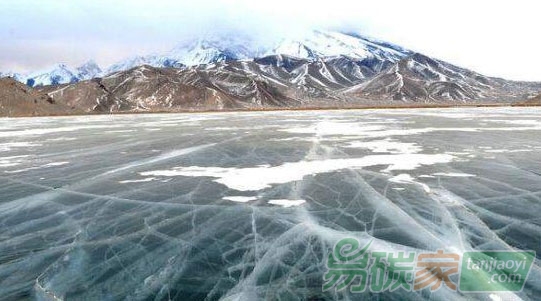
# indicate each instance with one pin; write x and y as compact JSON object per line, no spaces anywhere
{"x":323,"y":69}
{"x":58,"y":74}
{"x":286,"y":82}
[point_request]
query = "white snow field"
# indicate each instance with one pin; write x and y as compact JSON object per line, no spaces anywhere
{"x":248,"y":206}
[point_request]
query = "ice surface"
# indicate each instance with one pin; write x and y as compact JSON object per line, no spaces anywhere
{"x":137,"y":181}
{"x":53,"y":164}
{"x":453,"y":174}
{"x":387,"y":146}
{"x":247,"y":206}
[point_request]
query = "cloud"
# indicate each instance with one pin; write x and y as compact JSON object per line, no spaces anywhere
{"x":493,"y":37}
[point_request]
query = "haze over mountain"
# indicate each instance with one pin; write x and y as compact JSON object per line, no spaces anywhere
{"x":36,"y":35}
{"x":323,"y":69}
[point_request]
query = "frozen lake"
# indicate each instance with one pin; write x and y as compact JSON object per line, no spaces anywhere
{"x":247,"y":206}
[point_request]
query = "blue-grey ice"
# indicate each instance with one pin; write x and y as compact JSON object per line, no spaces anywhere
{"x":247,"y":206}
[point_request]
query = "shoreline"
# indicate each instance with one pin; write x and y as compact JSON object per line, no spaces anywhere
{"x":278,"y":109}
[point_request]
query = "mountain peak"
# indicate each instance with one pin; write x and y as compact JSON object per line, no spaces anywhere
{"x":325,"y":44}
{"x":88,"y":70}
{"x":212,"y":49}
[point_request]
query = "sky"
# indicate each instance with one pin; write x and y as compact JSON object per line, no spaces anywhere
{"x":496,"y":38}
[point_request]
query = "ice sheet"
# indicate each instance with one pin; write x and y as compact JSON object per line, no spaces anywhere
{"x":247,"y":206}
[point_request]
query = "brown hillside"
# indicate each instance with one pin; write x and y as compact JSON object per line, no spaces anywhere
{"x":17,"y":99}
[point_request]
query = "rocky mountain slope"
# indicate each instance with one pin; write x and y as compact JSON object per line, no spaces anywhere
{"x":16,"y":76}
{"x":17,"y":99}
{"x":420,"y":78}
{"x":148,"y":88}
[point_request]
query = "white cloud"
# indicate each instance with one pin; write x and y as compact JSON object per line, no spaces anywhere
{"x":493,"y":37}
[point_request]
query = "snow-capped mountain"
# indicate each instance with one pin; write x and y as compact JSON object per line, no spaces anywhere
{"x":57,"y":74}
{"x":319,"y":69}
{"x":312,"y":46}
{"x":211,"y":49}
{"x":62,"y":74}
{"x":216,"y":49}
{"x":315,"y":45}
